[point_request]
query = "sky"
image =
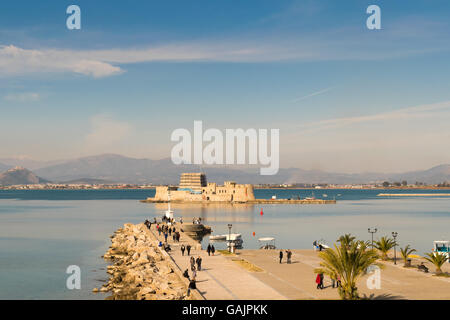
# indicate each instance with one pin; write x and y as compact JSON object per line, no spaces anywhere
{"x":345,"y":98}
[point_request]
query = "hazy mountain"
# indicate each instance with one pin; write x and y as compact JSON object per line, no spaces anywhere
{"x":26,"y":163}
{"x":436,"y":174}
{"x":116,"y":168}
{"x":4,"y":167}
{"x":19,"y":175}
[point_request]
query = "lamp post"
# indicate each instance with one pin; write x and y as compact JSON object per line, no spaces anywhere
{"x":395,"y":234}
{"x":229,"y":236}
{"x":372,"y":231}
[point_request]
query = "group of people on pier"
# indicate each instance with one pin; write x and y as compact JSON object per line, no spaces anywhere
{"x":288,"y":256}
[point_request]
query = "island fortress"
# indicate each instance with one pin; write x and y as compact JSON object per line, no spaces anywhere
{"x":194,"y":188}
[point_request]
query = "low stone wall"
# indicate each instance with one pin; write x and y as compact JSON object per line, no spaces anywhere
{"x":141,"y":270}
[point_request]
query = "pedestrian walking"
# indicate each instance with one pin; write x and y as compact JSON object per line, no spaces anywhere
{"x":213,"y":249}
{"x":319,"y":281}
{"x":338,"y":281}
{"x":199,"y":263}
{"x":188,"y":248}
{"x":165,"y":236}
{"x":281,"y":256}
{"x":194,"y":273}
{"x":186,"y":274}
{"x":289,"y":255}
{"x":208,"y":249}
{"x":191,"y":286}
{"x":333,"y":280}
{"x":192,"y":261}
{"x":182,"y":249}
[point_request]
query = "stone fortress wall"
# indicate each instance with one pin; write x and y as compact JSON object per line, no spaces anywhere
{"x":194,"y":187}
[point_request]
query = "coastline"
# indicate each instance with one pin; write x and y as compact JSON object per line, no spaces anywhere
{"x":140,"y":270}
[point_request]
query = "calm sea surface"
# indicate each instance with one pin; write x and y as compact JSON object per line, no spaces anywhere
{"x":42,"y":232}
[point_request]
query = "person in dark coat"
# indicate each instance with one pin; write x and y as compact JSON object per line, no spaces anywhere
{"x":213,"y":249}
{"x":199,"y":263}
{"x":281,"y":256}
{"x":192,"y":261}
{"x":191,"y":286}
{"x":188,"y":248}
{"x":182,"y":249}
{"x":208,"y":249}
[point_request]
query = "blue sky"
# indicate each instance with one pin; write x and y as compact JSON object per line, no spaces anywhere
{"x":345,"y":98}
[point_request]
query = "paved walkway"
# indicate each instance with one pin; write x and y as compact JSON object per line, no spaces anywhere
{"x":297,"y":280}
{"x":220,"y":277}
{"x":223,"y":279}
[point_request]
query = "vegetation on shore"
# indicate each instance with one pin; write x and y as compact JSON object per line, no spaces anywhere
{"x":348,"y":262}
{"x":438,"y":260}
{"x":406,"y":252}
{"x":384,"y":245}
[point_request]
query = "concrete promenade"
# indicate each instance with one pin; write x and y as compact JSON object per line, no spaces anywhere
{"x":297,"y":280}
{"x":222,"y":278}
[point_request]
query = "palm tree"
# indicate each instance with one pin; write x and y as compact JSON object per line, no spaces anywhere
{"x":346,"y":240}
{"x":348,"y":263}
{"x":384,"y":245}
{"x":406,"y":251}
{"x":438,"y":259}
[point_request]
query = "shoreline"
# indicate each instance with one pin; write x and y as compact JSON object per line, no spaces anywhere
{"x":140,"y":270}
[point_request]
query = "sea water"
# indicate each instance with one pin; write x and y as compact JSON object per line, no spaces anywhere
{"x":42,"y":232}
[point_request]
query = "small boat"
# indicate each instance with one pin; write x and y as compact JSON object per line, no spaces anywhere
{"x":234,"y":240}
{"x":441,"y":247}
{"x":268,"y":243}
{"x":218,"y":238}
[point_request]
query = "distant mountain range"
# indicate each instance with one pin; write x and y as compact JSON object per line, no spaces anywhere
{"x":20,"y":175}
{"x":116,"y":168}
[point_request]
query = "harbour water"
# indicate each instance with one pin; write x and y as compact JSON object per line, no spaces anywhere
{"x":42,"y":232}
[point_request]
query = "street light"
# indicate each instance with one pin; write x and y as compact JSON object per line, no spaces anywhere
{"x":395,"y":234}
{"x":229,"y":236}
{"x":372,"y":231}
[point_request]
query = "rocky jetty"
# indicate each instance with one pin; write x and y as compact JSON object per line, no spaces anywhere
{"x":139,"y":270}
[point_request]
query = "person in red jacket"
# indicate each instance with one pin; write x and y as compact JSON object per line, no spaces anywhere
{"x":319,"y":281}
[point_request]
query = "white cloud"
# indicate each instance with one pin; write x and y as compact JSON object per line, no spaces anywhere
{"x":338,"y":44}
{"x":22,"y":97}
{"x":312,"y":94}
{"x":106,"y":134}
{"x":423,"y":111}
{"x":14,"y":60}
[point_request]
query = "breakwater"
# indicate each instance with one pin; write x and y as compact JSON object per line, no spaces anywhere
{"x":140,"y":269}
{"x":414,"y":194}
